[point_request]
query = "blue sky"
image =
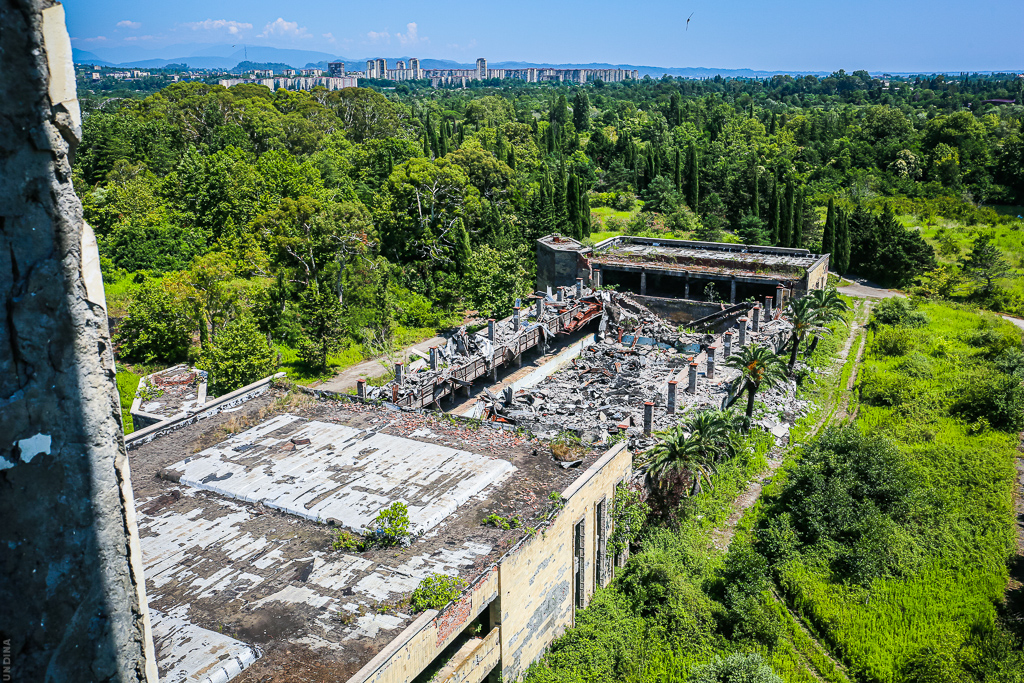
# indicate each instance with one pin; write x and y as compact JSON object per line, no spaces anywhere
{"x":800,"y":35}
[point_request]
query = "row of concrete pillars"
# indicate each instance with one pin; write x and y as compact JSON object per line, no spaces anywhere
{"x":595,"y":282}
{"x":712,"y":352}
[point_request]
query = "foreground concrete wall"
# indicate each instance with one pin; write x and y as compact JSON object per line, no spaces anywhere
{"x":537,"y":601}
{"x":71,"y":585}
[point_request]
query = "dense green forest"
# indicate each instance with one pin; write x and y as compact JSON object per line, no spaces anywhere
{"x":335,"y":224}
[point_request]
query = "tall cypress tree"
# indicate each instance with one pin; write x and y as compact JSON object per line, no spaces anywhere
{"x":585,"y":211}
{"x":572,"y":207}
{"x":511,"y":159}
{"x":431,"y":136}
{"x":842,"y":252}
{"x":755,"y":191}
{"x":692,"y":181}
{"x":652,"y":166}
{"x":561,"y":215}
{"x":828,"y":236}
{"x":678,"y":171}
{"x":798,"y":220}
{"x":786,"y":216}
{"x":773,"y":214}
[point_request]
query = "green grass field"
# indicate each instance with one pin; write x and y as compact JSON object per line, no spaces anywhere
{"x":951,"y":588}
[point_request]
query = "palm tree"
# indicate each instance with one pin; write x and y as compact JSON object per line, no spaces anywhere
{"x":829,"y":305}
{"x":715,"y":429}
{"x":759,"y":367}
{"x":805,"y":320}
{"x":680,"y":453}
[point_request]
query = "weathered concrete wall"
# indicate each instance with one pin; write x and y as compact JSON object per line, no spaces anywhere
{"x":537,"y":602}
{"x":71,"y":588}
{"x":474,"y":661}
{"x":817,"y":275}
{"x":412,"y":651}
{"x":679,"y":310}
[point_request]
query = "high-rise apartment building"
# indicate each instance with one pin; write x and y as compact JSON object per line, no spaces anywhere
{"x":336,"y":69}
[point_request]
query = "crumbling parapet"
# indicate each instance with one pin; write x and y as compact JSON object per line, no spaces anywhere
{"x":73,"y":590}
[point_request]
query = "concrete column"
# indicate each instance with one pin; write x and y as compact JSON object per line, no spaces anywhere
{"x":490,"y":329}
{"x":711,"y":367}
{"x":778,"y":296}
{"x":692,"y":388}
{"x":727,"y":345}
{"x":74,"y":605}
{"x":732,"y":291}
{"x":643,"y":282}
{"x":671,"y":403}
{"x":579,"y":286}
{"x":399,"y":375}
{"x":469,"y":391}
{"x":743,"y":330}
{"x":540,"y":308}
{"x":558,"y":296}
{"x":767,"y":308}
{"x":394,"y":393}
{"x":361,"y":388}
{"x":515,"y":318}
{"x":433,"y":358}
{"x":757,"y":318}
{"x":686,"y":289}
{"x":595,"y":278}
{"x":648,"y":417}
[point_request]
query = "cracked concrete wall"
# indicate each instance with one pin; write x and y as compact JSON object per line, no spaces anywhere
{"x":72,"y":600}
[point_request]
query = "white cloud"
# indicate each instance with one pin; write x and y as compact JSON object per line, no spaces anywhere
{"x":135,"y":38}
{"x":129,"y":24}
{"x":329,"y":37}
{"x":233,"y":27}
{"x":412,"y":36}
{"x":381,"y":37}
{"x":97,"y":39}
{"x":284,"y":29}
{"x":468,"y":46}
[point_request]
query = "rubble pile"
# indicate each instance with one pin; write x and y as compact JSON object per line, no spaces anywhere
{"x":467,"y":355}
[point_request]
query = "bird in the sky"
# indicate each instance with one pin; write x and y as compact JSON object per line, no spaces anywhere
{"x":688,"y":21}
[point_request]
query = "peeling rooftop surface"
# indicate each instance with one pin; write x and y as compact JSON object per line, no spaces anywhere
{"x":736,"y":260}
{"x":172,"y":391}
{"x":339,"y":474}
{"x":260,"y":577}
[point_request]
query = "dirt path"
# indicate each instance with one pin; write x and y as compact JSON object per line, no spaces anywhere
{"x":346,"y":379}
{"x":722,"y":536}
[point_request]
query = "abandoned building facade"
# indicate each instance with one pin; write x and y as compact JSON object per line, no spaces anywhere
{"x":681,"y":275}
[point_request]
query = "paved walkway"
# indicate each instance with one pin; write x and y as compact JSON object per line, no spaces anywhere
{"x":1016,"y":321}
{"x":346,"y":379}
{"x":866,"y":289}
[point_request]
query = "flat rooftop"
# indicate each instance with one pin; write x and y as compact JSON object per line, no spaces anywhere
{"x":703,"y":257}
{"x":233,"y":515}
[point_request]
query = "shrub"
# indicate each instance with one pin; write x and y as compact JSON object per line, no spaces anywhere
{"x":346,"y":540}
{"x":916,"y":365}
{"x":156,"y":329}
{"x":884,"y":389}
{"x":892,"y":341}
{"x":239,"y":355}
{"x":392,"y":525}
{"x":992,"y":396}
{"x":736,"y":668}
{"x":897,"y":310}
{"x":503,"y":523}
{"x":436,"y":591}
{"x":625,"y":201}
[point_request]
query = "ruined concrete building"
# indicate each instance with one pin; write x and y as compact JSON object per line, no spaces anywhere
{"x":680,"y":277}
{"x":238,"y":515}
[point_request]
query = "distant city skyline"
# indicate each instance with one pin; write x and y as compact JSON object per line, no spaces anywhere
{"x":912,"y":36}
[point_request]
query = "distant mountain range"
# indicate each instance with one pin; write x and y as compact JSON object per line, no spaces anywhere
{"x":224,"y":56}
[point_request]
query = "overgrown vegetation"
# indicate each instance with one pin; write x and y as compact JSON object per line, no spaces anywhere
{"x":436,"y":591}
{"x":877,"y":553}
